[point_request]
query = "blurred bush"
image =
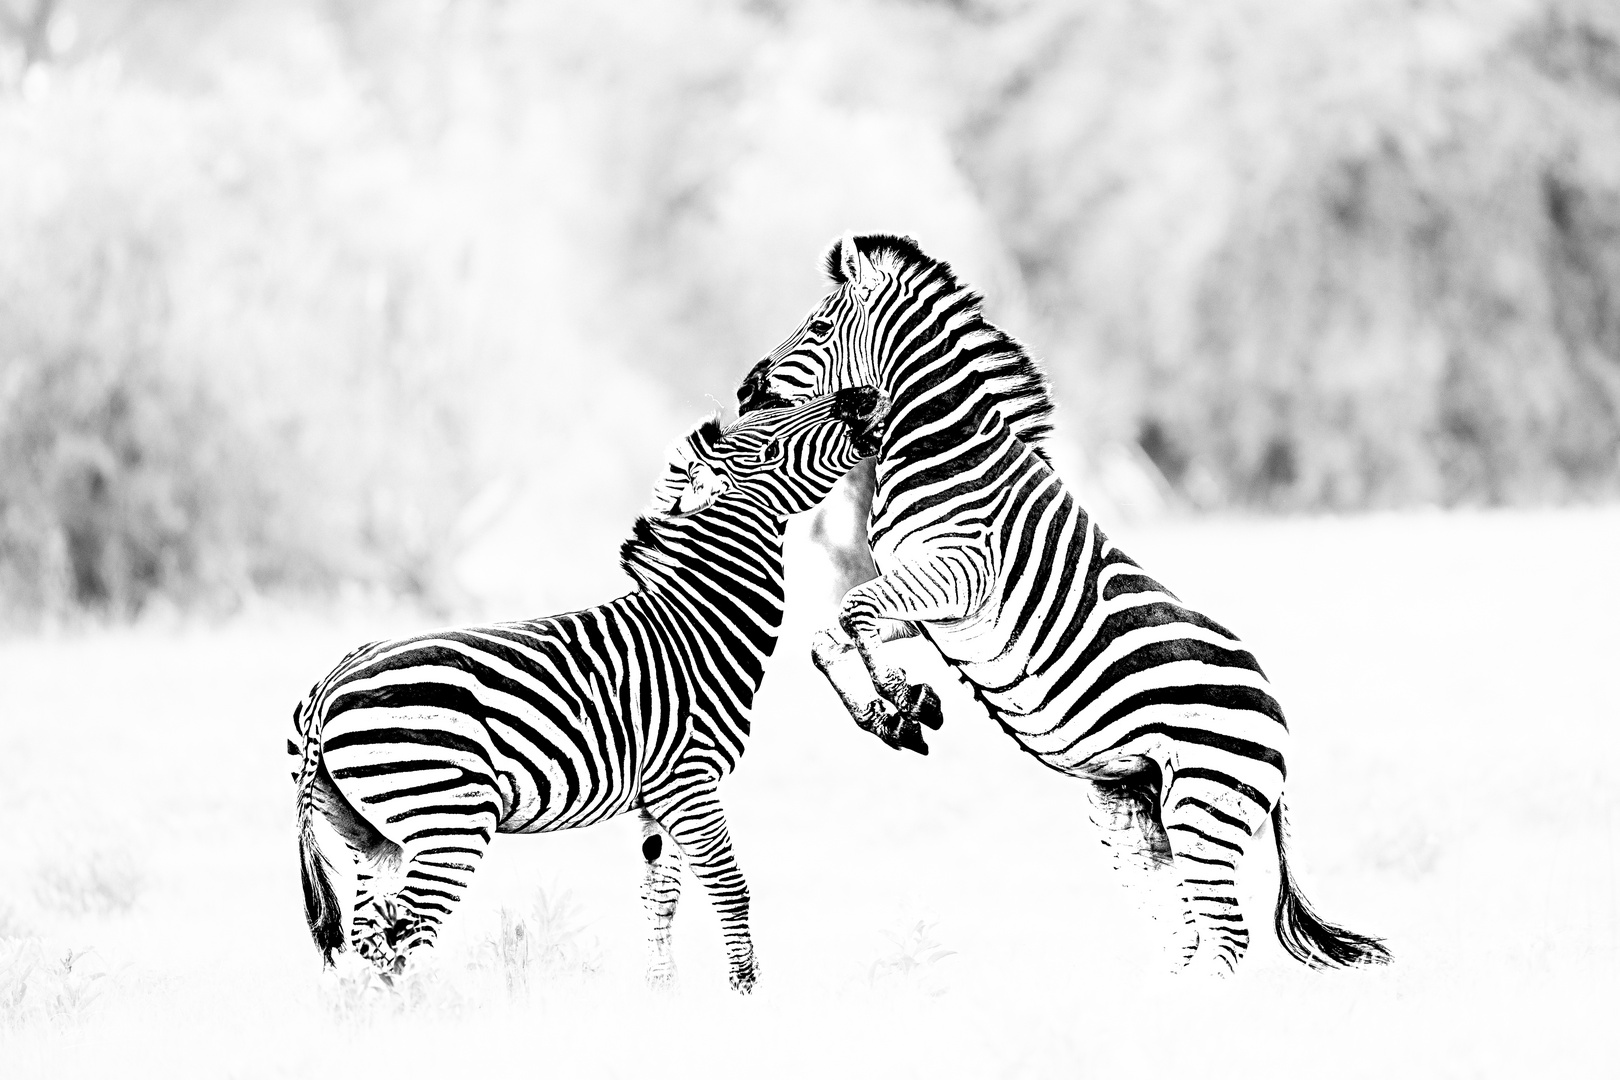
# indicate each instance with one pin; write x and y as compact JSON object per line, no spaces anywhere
{"x":202,"y":394}
{"x":406,"y":296}
{"x":1340,"y":255}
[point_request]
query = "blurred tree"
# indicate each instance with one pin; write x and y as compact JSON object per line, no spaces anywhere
{"x":285,"y":287}
{"x":1338,"y":256}
{"x":30,"y":28}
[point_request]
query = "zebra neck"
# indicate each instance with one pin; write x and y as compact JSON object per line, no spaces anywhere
{"x":719,"y":572}
{"x":946,"y":370}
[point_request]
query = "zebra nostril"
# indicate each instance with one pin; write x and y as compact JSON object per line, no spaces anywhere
{"x":751,"y":390}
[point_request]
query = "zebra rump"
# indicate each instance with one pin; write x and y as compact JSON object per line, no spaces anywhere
{"x":322,"y":911}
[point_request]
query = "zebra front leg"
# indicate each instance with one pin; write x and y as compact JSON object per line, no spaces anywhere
{"x":697,"y":824}
{"x":660,"y":892}
{"x":944,"y":584}
{"x":840,"y":664}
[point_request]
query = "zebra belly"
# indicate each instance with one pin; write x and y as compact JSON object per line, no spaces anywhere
{"x":1097,"y":720}
{"x":401,"y":764}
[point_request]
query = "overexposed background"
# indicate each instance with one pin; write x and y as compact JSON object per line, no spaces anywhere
{"x":327,"y":320}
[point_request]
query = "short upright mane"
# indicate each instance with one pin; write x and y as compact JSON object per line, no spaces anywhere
{"x":641,"y":554}
{"x":1019,"y":386}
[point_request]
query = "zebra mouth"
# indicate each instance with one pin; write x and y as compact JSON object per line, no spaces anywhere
{"x":755,"y":394}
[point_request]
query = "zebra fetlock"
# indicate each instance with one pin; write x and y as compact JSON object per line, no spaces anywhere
{"x":744,"y":974}
{"x":385,"y":934}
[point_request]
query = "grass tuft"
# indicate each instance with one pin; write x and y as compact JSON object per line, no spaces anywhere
{"x":36,"y":983}
{"x":545,"y":944}
{"x":912,"y":960}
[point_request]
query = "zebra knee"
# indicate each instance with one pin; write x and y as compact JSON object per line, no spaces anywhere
{"x":826,"y":650}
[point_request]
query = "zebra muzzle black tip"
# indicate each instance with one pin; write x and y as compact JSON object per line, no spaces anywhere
{"x":754,"y":394}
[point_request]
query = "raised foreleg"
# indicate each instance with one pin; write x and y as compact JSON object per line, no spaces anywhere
{"x":841,"y":665}
{"x":940,"y":584}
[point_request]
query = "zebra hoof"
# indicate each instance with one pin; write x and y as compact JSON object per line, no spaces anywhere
{"x":926,"y":708}
{"x":909,"y":736}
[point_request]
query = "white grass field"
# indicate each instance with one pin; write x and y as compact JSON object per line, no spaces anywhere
{"x":1450,"y":679}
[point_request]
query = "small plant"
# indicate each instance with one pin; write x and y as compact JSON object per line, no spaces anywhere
{"x":34,"y":983}
{"x":547,"y":943}
{"x":357,"y":990}
{"x":513,"y":952}
{"x":913,"y":959}
{"x":558,"y":936}
{"x":107,"y":883}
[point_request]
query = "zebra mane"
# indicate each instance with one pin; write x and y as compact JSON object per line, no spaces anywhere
{"x":640,"y":551}
{"x":1014,"y":380}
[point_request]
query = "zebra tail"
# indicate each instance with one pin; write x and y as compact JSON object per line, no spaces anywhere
{"x":1308,"y":937}
{"x":321,"y":908}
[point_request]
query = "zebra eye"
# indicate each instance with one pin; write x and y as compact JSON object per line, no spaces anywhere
{"x":820,"y":328}
{"x":770,"y":453}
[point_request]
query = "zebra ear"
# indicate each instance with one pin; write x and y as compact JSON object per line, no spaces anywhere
{"x":856,"y":268}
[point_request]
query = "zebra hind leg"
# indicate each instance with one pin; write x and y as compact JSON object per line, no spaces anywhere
{"x":399,"y":910}
{"x":381,"y":931}
{"x":1209,"y":829}
{"x":660,"y":892}
{"x":403,"y":917}
{"x":1125,"y":810}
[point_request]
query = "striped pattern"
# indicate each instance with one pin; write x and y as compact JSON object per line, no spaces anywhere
{"x":1092,"y":665}
{"x":420,"y":750}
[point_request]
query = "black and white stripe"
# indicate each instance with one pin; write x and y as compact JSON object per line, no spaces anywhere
{"x":1092,"y":665}
{"x":419,"y":750}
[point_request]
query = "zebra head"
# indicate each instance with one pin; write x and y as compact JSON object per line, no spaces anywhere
{"x":834,"y":346}
{"x":900,"y":321}
{"x":785,"y":460}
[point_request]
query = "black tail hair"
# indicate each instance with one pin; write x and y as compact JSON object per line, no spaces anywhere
{"x":321,"y":908}
{"x":1306,"y":935}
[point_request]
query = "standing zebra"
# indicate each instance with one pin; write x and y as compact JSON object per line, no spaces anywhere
{"x":419,"y":750}
{"x":1094,"y":667}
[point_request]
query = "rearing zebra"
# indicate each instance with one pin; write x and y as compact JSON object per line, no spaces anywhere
{"x":1094,"y":667}
{"x":419,"y":750}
